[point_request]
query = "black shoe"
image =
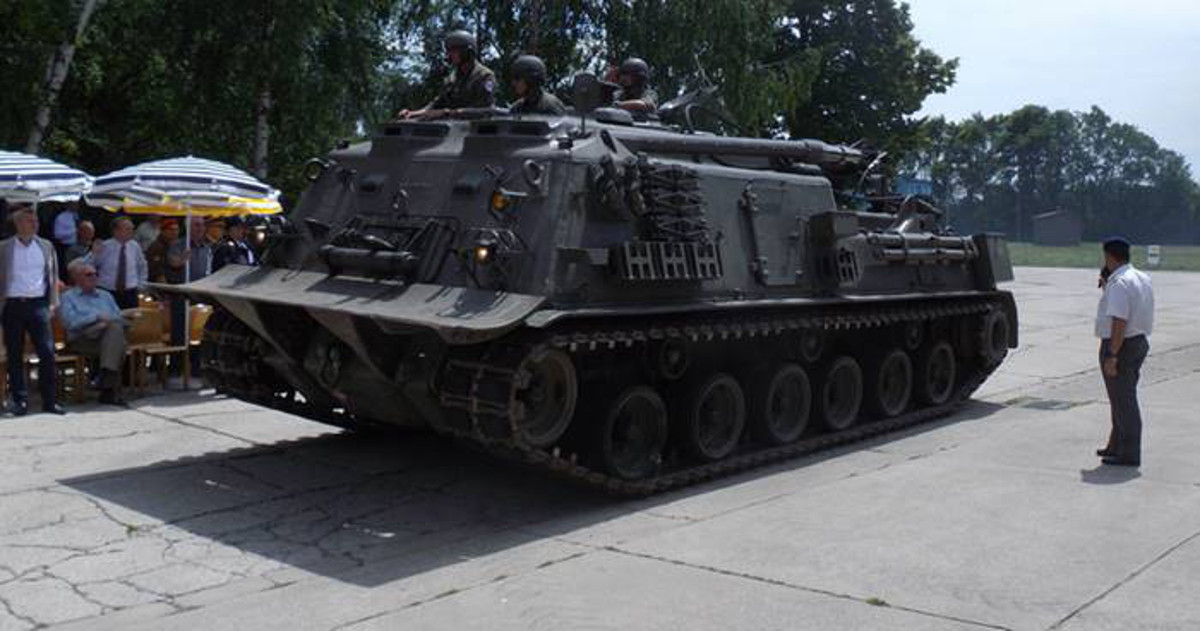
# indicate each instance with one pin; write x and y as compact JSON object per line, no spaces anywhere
{"x":1106,"y":453}
{"x":1121,"y":462}
{"x":18,"y":408}
{"x":54,"y":408}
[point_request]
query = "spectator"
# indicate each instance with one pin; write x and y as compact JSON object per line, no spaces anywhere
{"x":147,"y":231}
{"x":156,"y":252}
{"x":197,"y":257}
{"x":85,"y":236}
{"x":64,"y":233}
{"x":234,"y":248}
{"x":28,"y":278}
{"x":95,"y":327}
{"x":121,"y":265}
{"x":214,"y":231}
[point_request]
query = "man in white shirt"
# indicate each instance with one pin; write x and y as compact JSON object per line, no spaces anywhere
{"x":121,"y":264}
{"x":28,"y":280}
{"x":1124,"y":321}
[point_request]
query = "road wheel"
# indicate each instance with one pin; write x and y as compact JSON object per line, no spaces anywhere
{"x":781,"y":405}
{"x":936,"y":371}
{"x":841,"y":394}
{"x":548,"y":396}
{"x":993,"y":345}
{"x":711,"y":417}
{"x":889,"y":384}
{"x":633,"y":433}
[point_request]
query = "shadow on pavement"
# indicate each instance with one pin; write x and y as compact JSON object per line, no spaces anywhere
{"x":368,"y":509}
{"x":1104,"y":474}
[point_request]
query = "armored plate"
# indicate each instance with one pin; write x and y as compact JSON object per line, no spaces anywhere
{"x":460,"y":315}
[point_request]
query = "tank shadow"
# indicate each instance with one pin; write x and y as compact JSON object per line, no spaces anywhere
{"x":367,"y":509}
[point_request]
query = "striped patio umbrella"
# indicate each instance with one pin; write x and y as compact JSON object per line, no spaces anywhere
{"x":183,"y":187}
{"x":30,"y":179}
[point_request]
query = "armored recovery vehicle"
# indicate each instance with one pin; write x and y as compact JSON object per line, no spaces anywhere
{"x":635,"y":306}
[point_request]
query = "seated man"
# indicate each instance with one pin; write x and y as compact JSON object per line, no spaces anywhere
{"x":95,"y":327}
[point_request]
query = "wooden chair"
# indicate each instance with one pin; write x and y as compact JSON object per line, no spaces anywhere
{"x":71,"y":369}
{"x":147,"y":345}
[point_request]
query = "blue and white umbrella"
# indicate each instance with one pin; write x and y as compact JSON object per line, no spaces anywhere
{"x":184,"y":186}
{"x":30,"y":179}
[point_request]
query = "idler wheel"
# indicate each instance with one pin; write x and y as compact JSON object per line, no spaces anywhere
{"x":548,"y":396}
{"x":994,"y":343}
{"x":841,"y":394}
{"x":712,"y":417}
{"x":936,"y":371}
{"x":780,"y":407}
{"x":633,"y":433}
{"x":889,"y":387}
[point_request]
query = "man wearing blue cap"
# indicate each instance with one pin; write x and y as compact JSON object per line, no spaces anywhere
{"x":1124,"y":321}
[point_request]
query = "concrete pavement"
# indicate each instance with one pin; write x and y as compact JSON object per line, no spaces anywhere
{"x":195,"y":512}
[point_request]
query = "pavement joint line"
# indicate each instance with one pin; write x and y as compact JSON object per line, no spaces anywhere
{"x":455,"y":591}
{"x":1121,"y":583}
{"x":870,"y":601}
{"x":210,"y":430}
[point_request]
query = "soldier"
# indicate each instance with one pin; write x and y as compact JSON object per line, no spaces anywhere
{"x":471,"y":84}
{"x":529,"y":73}
{"x":635,"y":96}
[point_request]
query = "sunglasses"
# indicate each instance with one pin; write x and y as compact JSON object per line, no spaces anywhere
{"x":88,"y":274}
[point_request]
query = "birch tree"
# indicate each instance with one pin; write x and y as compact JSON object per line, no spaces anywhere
{"x":56,"y":75}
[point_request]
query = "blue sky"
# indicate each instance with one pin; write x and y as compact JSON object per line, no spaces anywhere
{"x":1139,"y":60}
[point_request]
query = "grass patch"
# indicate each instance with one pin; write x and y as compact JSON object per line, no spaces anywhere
{"x":1174,"y":257}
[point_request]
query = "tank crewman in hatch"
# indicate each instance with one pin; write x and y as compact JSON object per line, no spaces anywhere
{"x":635,"y":96}
{"x":529,"y":74}
{"x":470,"y":85}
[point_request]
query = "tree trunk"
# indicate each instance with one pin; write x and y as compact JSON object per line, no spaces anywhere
{"x":262,"y":108}
{"x":534,"y":24}
{"x":56,"y":76}
{"x":262,"y":132}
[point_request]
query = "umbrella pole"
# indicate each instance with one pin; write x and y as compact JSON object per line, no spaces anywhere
{"x":187,"y":304}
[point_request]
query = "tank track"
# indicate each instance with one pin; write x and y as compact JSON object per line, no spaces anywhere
{"x":477,"y":385}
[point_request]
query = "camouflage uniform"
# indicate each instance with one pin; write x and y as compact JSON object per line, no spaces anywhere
{"x":476,"y":89}
{"x":635,"y":94}
{"x":541,"y":102}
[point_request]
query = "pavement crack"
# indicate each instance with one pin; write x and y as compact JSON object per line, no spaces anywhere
{"x":1125,"y":581}
{"x":869,"y":601}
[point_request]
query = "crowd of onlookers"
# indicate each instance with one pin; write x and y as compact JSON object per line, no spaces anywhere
{"x":92,"y":273}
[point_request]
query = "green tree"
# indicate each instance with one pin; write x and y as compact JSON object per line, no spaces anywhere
{"x":873,"y":74}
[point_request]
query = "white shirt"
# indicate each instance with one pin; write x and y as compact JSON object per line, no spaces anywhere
{"x":28,"y":276}
{"x":108,"y":258}
{"x":1128,"y":295}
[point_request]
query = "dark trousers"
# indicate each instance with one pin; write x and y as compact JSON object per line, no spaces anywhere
{"x":32,"y":316}
{"x":1125,"y":438}
{"x":126,"y":298}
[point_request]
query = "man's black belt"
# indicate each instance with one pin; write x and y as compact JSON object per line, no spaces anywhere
{"x":23,"y":299}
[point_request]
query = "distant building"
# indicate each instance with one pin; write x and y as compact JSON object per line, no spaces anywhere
{"x":1057,"y":227}
{"x":914,"y":186}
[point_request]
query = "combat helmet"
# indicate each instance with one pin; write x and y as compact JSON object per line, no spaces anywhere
{"x":636,"y":67}
{"x":460,"y":39}
{"x":530,"y":68}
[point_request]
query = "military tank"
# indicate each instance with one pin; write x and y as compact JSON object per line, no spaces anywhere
{"x":633,"y":305}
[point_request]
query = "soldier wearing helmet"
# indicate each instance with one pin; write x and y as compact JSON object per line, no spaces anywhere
{"x":470,"y":85}
{"x":635,"y":96}
{"x":529,"y":74}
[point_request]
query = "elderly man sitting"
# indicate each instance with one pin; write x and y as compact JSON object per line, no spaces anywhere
{"x":95,"y":326}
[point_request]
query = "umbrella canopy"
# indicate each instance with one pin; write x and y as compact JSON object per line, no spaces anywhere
{"x":184,"y":186}
{"x":30,"y":179}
